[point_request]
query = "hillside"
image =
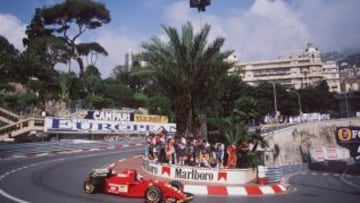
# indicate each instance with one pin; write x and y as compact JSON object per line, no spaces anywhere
{"x":344,"y":61}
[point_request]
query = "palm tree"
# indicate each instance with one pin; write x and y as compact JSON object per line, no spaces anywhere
{"x":188,"y":70}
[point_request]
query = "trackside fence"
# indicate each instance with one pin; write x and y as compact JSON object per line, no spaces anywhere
{"x":274,"y":174}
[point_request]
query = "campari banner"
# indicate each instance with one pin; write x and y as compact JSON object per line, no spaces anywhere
{"x":109,"y":115}
{"x":112,"y":115}
{"x":115,"y":125}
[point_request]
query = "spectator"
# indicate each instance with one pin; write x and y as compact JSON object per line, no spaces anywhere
{"x":155,"y":147}
{"x":161,"y":144}
{"x":232,"y":156}
{"x":181,"y":143}
{"x":169,"y":150}
{"x":244,"y":149}
{"x":190,"y":153}
{"x":220,"y":152}
{"x":148,"y":144}
{"x":204,"y":153}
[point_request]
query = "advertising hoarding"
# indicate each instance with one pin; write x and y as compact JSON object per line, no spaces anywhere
{"x":90,"y":126}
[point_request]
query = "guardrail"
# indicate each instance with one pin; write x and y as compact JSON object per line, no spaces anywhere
{"x":22,"y":149}
{"x":274,"y":174}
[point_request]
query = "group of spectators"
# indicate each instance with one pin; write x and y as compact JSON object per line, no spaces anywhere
{"x":179,"y":150}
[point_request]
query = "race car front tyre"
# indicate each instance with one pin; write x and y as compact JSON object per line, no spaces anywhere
{"x":153,"y":194}
{"x":89,"y":187}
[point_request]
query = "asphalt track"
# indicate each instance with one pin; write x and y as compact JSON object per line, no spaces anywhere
{"x":59,"y":179}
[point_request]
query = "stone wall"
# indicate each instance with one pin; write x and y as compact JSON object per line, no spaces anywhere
{"x":296,"y":141}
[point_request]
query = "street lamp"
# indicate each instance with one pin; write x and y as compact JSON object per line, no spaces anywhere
{"x":346,"y":104}
{"x":275,"y":100}
{"x":299,"y":99}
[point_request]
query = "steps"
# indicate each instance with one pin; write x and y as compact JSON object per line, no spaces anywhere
{"x":17,"y":126}
{"x":8,"y":117}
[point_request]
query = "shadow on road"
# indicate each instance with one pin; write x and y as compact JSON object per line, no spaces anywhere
{"x":357,"y":193}
{"x":336,"y":167}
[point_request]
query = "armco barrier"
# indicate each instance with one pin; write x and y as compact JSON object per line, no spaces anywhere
{"x":261,"y":175}
{"x":274,"y":174}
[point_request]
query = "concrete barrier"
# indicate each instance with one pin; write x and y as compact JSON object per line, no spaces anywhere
{"x":200,"y":174}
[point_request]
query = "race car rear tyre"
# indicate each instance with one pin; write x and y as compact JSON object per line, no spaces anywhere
{"x":178,"y":185}
{"x":89,"y":187}
{"x":153,"y":194}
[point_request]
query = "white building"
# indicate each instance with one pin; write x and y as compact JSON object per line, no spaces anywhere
{"x":298,"y":70}
{"x":332,"y":76}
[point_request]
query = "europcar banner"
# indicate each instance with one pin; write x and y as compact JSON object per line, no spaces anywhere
{"x":90,"y":126}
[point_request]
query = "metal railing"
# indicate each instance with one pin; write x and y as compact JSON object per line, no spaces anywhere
{"x":7,"y":116}
{"x":22,"y":126}
{"x":274,"y":174}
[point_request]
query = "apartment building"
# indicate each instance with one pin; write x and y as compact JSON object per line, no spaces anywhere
{"x":332,"y":76}
{"x":297,"y":69}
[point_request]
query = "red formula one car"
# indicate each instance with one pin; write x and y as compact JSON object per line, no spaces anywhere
{"x":129,"y":184}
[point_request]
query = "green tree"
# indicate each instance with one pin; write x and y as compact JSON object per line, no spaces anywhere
{"x":93,"y":82}
{"x":233,"y":89}
{"x":40,"y":42}
{"x":235,"y":130}
{"x":68,"y":21}
{"x":188,"y":70}
{"x":66,"y":81}
{"x":119,"y":94}
{"x":318,"y":99}
{"x":159,"y":105}
{"x":8,"y":56}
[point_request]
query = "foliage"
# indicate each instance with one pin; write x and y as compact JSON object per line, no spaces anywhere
{"x":253,"y":159}
{"x":233,"y":89}
{"x":92,"y":49}
{"x":246,"y":109}
{"x":140,"y":98}
{"x":234,"y":131}
{"x":25,"y":102}
{"x":8,"y":55}
{"x":118,"y":93}
{"x":96,"y":102}
{"x":66,"y":81}
{"x":318,"y":99}
{"x":93,"y":81}
{"x":68,"y":21}
{"x":187,"y":70}
{"x":159,"y":105}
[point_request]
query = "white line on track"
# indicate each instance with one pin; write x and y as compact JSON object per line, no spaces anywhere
{"x":18,"y":200}
{"x":5,"y":194}
{"x":348,"y":182}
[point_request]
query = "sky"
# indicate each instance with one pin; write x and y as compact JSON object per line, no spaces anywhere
{"x":254,"y":29}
